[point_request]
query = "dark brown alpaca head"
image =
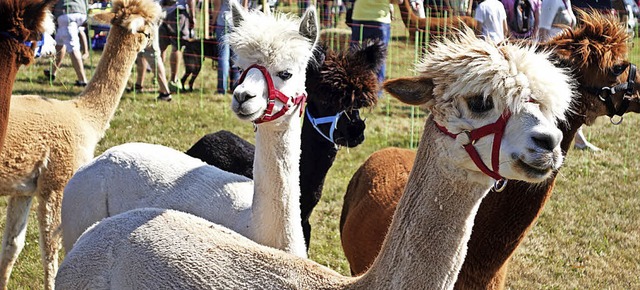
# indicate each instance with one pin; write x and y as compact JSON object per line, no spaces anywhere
{"x":597,"y":50}
{"x":344,"y":81}
{"x":23,"y":20}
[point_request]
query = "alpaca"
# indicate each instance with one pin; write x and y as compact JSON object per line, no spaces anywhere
{"x":435,"y":26}
{"x":195,"y":51}
{"x":49,"y":139}
{"x":470,"y":86}
{"x":597,"y":53}
{"x":267,"y":211}
{"x":343,"y":83}
{"x":21,"y":23}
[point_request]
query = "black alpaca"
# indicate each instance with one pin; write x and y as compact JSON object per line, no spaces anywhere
{"x":194,"y":51}
{"x":343,"y":83}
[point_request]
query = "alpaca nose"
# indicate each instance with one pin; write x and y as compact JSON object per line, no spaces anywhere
{"x":547,"y":140}
{"x":242,"y":96}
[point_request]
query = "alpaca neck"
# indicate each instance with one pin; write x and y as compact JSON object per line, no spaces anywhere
{"x":276,"y":197}
{"x":427,"y":240}
{"x":8,"y":70}
{"x":99,"y":100}
{"x":318,"y":155}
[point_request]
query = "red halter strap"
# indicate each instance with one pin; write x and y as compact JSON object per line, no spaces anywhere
{"x":496,"y":128}
{"x":274,"y":95}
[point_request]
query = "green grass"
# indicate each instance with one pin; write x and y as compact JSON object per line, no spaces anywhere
{"x":588,"y":236}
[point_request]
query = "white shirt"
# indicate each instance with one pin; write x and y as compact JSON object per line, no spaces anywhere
{"x":556,"y":12}
{"x":492,"y":15}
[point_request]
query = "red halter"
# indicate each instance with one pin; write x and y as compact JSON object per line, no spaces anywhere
{"x":274,"y":95}
{"x":496,"y":128}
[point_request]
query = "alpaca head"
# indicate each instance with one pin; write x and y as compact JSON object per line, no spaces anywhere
{"x":25,"y":21}
{"x":137,"y":16}
{"x":342,"y":84}
{"x":273,"y":52}
{"x":468,"y":83}
{"x":598,"y":51}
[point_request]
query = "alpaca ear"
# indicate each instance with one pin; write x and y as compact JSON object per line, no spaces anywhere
{"x":309,"y":27}
{"x":373,"y":52}
{"x":412,"y":91}
{"x":236,"y":13}
{"x":104,"y":18}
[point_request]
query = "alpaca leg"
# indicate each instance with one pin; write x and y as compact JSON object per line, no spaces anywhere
{"x":14,"y":234}
{"x":194,"y":75}
{"x":49,"y":217}
{"x":183,"y":80}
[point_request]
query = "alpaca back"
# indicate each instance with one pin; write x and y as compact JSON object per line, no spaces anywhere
{"x":139,"y":175}
{"x":155,"y":249}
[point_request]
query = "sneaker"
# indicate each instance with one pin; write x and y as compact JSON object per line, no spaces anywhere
{"x":137,"y":87}
{"x":164,"y":97}
{"x":586,"y":146}
{"x":175,"y":85}
{"x":80,"y":84}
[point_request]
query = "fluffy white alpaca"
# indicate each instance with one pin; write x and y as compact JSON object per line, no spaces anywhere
{"x":466,"y":83}
{"x":267,"y":211}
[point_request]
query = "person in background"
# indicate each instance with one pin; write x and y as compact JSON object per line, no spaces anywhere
{"x":371,"y":19}
{"x":492,"y":20}
{"x":531,"y":19}
{"x":69,"y":15}
{"x":150,"y":57}
{"x":228,"y":74}
{"x":555,"y":15}
{"x":176,"y":27}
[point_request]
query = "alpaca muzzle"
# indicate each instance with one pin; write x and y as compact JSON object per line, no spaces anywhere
{"x":273,"y":96}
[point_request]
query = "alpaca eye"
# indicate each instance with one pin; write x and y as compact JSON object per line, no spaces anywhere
{"x":618,"y":69}
{"x":479,"y":105}
{"x":284,"y":75}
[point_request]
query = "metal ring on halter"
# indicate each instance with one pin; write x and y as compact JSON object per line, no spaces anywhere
{"x":611,"y":119}
{"x":500,"y":185}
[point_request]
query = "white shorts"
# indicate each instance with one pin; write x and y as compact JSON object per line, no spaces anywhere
{"x":68,"y":29}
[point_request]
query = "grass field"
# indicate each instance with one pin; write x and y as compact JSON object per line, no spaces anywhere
{"x":588,"y":236}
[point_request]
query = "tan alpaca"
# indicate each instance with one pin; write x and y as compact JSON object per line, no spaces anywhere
{"x":49,"y":139}
{"x":466,"y":83}
{"x":598,"y":44}
{"x":21,"y":20}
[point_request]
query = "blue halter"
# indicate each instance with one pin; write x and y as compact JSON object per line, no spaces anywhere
{"x":333,"y":120}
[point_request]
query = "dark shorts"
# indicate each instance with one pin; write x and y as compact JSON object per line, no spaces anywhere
{"x":174,"y":26}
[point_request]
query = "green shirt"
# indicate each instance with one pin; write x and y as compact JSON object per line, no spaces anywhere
{"x":372,"y":10}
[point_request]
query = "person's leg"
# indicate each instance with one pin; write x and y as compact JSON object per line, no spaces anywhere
{"x":73,"y":46}
{"x":174,"y":60}
{"x":224,"y":55}
{"x":141,"y":71}
{"x":84,"y":44}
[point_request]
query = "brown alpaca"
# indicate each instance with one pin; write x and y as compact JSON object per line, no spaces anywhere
{"x":22,"y":20}
{"x":594,"y":51}
{"x":48,"y":139}
{"x":436,"y":25}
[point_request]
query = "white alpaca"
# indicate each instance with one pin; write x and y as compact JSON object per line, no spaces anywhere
{"x":466,"y":83}
{"x":138,"y":175}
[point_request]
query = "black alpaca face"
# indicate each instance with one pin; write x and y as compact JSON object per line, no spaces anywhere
{"x":349,"y":131}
